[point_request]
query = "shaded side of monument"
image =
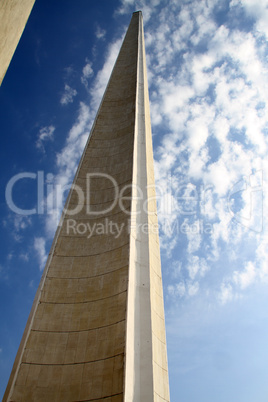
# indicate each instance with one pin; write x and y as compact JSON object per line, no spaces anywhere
{"x":96,"y":330}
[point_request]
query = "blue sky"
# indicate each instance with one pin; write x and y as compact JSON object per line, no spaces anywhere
{"x":208,"y":83}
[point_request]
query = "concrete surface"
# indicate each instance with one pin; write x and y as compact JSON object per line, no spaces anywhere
{"x":13,"y":18}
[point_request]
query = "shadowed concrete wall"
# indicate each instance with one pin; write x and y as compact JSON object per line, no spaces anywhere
{"x":13,"y":18}
{"x":97,"y":323}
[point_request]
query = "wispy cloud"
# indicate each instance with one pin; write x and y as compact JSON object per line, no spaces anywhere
{"x":87,"y":73}
{"x":196,"y":266}
{"x":68,"y":95}
{"x":40,"y":248}
{"x":246,"y":277}
{"x":100,"y":33}
{"x":24,"y":256}
{"x":17,"y":224}
{"x":45,"y":134}
{"x":226,"y":293}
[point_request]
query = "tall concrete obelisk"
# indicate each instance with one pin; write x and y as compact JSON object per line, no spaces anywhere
{"x":96,"y":330}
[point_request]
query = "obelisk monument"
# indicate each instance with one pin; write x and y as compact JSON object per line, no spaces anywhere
{"x":96,"y":330}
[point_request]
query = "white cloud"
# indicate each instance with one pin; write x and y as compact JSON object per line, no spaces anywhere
{"x":246,"y":277}
{"x":197,"y":266}
{"x":220,"y":177}
{"x":45,"y":134}
{"x":168,"y":244}
{"x":128,"y":6}
{"x":22,"y":222}
{"x":221,"y":127}
{"x":174,"y":96}
{"x":193,"y":288}
{"x":178,"y":289}
{"x":257,"y":10}
{"x":100,"y":33}
{"x":40,"y":248}
{"x":194,"y":239}
{"x":86,"y":73}
{"x":18,"y":223}
{"x":24,"y":256}
{"x":226,"y":293}
{"x":68,"y":95}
